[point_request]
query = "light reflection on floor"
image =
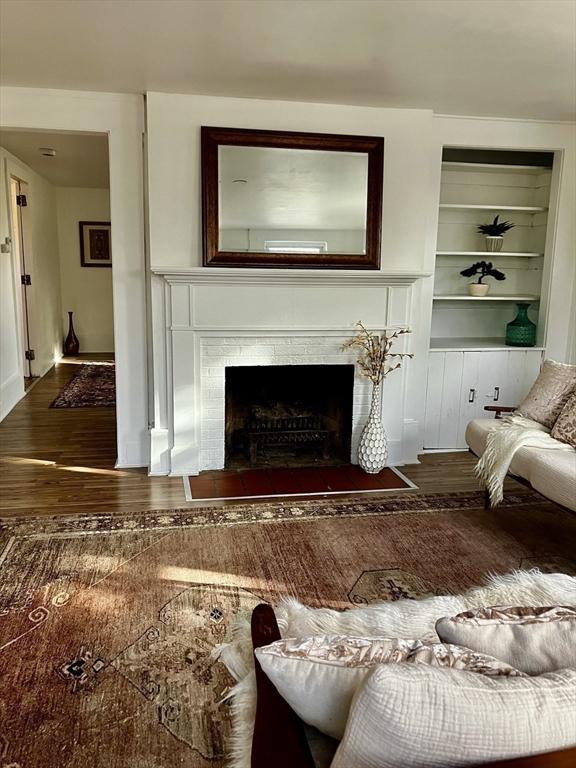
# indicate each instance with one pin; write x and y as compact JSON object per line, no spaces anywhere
{"x":65,"y":467}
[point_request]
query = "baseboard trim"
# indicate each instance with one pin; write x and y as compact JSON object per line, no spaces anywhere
{"x":11,"y":392}
{"x":132,"y":454}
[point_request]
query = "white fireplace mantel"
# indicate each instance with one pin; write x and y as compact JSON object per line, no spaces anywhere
{"x":248,"y":276}
{"x":207,"y":319}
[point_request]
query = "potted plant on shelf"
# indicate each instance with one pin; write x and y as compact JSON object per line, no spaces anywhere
{"x":484,"y":269}
{"x":494,"y":233}
{"x":373,"y":361}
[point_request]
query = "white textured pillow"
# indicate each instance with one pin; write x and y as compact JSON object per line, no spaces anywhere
{"x":549,"y":393}
{"x":534,"y":640}
{"x":318,"y":676}
{"x":423,"y":717}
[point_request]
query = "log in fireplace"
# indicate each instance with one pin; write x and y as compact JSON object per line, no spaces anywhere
{"x":288,"y":415}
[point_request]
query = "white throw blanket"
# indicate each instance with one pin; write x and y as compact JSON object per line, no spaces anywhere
{"x":508,"y":436}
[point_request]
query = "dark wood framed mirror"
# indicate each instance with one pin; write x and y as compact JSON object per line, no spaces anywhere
{"x":289,"y":199}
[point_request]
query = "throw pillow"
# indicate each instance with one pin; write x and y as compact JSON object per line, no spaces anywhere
{"x":565,"y":427}
{"x":549,"y":393}
{"x":534,"y":640}
{"x":318,"y":676}
{"x":424,"y":717}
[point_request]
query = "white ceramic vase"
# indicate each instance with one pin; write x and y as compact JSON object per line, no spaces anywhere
{"x":478,"y":289}
{"x":494,"y":243}
{"x":373,"y":448}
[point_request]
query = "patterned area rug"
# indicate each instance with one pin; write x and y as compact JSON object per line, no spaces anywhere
{"x":107,"y":622}
{"x":94,"y":385}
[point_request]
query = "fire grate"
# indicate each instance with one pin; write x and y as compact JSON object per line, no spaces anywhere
{"x":278,"y":424}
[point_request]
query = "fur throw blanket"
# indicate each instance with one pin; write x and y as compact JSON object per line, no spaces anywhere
{"x":508,"y":436}
{"x":403,"y":619}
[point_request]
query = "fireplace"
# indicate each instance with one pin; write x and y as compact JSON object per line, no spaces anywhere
{"x":288,"y":415}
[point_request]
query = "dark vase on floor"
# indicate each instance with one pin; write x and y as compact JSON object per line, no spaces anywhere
{"x":71,"y":344}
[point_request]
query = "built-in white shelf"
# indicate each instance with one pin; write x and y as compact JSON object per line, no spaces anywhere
{"x":490,"y":254}
{"x":489,"y":297}
{"x":517,"y":208}
{"x":467,"y":346}
{"x":495,"y":167}
{"x":449,"y":344}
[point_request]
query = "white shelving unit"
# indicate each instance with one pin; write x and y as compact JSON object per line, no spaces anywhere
{"x":501,"y":297}
{"x":516,"y":254}
{"x":470,"y":344}
{"x":518,"y":208}
{"x":471,"y":194}
{"x":492,"y":167}
{"x":470,"y":364}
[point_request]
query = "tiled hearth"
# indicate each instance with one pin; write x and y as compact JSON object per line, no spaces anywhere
{"x":215,"y":319}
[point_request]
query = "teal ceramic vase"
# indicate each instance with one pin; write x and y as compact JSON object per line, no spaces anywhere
{"x":521,"y":332}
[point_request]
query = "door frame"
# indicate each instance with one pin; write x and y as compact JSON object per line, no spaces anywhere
{"x":22,"y":262}
{"x":121,"y":117}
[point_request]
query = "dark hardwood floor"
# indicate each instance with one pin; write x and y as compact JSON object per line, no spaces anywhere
{"x":61,"y":461}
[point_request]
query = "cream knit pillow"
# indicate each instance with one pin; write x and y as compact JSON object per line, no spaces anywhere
{"x":424,"y":717}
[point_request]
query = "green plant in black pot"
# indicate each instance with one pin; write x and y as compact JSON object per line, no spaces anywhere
{"x":494,"y":233}
{"x":483,"y":269}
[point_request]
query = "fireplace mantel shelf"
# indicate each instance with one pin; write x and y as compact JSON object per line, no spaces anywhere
{"x":232,"y":276}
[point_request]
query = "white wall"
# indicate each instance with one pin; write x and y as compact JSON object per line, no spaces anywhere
{"x":409,"y":207}
{"x":121,"y":116}
{"x":44,"y":306}
{"x":412,"y":164}
{"x":86,"y":291}
{"x":413,"y":143}
{"x":174,"y":168}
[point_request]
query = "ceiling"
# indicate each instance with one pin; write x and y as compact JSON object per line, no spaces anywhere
{"x":292,"y":189}
{"x":81,"y":158}
{"x":514,"y":58}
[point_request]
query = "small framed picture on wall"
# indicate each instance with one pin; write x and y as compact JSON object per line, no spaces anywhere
{"x":95,"y":245}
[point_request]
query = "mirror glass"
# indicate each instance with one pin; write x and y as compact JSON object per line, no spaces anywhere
{"x":280,"y":200}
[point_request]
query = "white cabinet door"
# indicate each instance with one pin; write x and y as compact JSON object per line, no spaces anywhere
{"x":513,"y":377}
{"x":493,"y":383}
{"x":472,"y":395}
{"x":443,"y":399}
{"x":461,"y":383}
{"x":531,"y":365}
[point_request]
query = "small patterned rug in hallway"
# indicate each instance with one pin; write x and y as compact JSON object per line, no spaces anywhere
{"x":92,"y":386}
{"x":107,"y":622}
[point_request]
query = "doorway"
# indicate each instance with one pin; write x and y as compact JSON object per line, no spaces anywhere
{"x":60,"y":231}
{"x":21,"y":245}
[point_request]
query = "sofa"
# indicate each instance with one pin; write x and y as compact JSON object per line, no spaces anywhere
{"x":550,"y":473}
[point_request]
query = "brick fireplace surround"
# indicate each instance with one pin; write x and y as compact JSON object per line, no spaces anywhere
{"x":205,"y":320}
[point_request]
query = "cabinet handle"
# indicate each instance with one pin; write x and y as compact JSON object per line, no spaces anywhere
{"x":496,"y":394}
{"x":471,"y":395}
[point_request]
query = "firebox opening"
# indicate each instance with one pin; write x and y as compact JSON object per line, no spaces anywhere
{"x":288,"y":415}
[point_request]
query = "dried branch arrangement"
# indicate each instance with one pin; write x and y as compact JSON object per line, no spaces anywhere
{"x":375,"y":352}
